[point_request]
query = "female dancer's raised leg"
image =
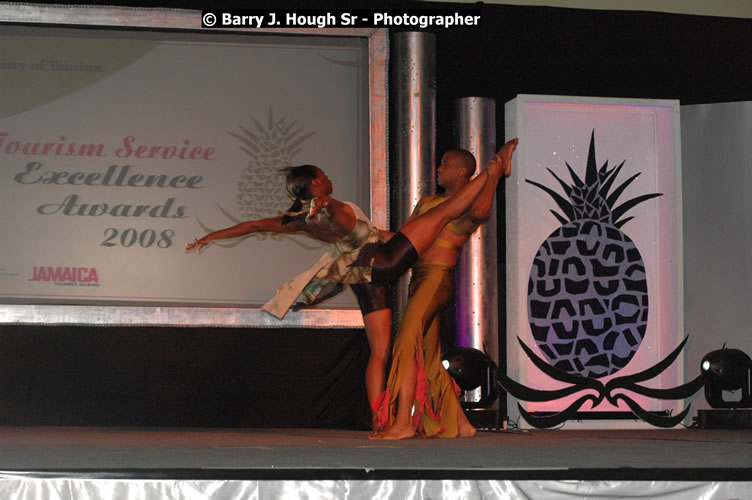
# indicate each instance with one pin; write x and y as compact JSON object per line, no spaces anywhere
{"x":423,"y":231}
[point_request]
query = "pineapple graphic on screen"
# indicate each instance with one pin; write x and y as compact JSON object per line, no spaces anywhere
{"x":261,"y":188}
{"x":587,"y":291}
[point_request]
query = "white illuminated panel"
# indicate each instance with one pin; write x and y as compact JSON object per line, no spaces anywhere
{"x":554,"y":132}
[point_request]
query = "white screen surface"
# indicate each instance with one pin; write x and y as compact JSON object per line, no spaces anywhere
{"x":117,"y":148}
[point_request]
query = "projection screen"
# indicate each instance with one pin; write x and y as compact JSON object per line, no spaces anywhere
{"x":125,"y":133}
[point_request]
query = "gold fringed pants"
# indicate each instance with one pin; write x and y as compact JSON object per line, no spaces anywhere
{"x":436,"y":405}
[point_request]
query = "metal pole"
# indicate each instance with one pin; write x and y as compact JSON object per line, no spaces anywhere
{"x":477,"y":291}
{"x":414,"y":111}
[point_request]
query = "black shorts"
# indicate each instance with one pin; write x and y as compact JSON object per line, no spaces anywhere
{"x":390,"y":260}
{"x":372,"y":297}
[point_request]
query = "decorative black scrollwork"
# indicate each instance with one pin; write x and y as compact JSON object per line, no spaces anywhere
{"x":580,"y":383}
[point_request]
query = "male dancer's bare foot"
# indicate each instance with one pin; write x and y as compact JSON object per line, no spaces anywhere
{"x":464,"y":428}
{"x":467,"y":430}
{"x":395,"y":432}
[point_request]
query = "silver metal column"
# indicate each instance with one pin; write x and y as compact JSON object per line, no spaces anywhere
{"x":414,"y":110}
{"x":477,"y":291}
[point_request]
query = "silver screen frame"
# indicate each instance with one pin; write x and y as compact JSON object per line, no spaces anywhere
{"x":177,"y":19}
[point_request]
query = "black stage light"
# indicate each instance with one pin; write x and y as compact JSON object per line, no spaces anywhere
{"x":727,"y":370}
{"x":471,"y":369}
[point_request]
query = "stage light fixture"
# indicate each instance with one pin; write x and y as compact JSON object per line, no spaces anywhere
{"x":471,"y":369}
{"x":727,"y":370}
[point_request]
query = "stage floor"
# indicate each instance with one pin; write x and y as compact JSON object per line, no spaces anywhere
{"x":300,"y":454}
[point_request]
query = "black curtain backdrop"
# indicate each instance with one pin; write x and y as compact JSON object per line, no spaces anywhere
{"x":172,"y":376}
{"x":169,"y":376}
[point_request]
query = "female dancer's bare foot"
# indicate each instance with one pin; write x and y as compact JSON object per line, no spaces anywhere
{"x":494,"y":168}
{"x":501,"y":164}
{"x":395,"y":432}
{"x":504,"y":156}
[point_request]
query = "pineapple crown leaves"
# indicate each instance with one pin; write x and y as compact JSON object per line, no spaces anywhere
{"x":590,"y":199}
{"x":277,"y":137}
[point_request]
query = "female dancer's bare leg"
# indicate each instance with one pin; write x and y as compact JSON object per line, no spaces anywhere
{"x":423,"y":231}
{"x":402,"y":426}
{"x":378,"y":331}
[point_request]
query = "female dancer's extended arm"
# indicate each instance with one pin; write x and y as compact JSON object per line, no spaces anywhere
{"x":271,"y":225}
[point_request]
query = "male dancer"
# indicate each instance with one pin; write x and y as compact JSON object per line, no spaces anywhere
{"x":417,"y":376}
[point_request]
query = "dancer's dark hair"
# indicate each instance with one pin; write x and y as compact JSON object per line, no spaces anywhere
{"x":298,"y":186}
